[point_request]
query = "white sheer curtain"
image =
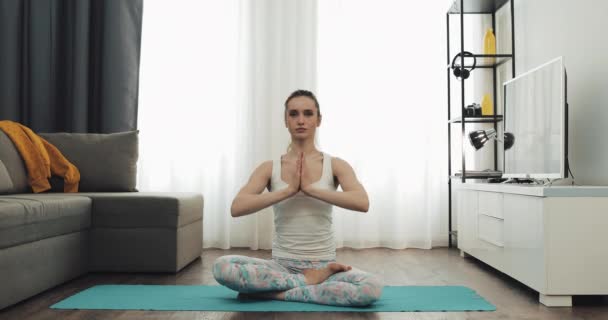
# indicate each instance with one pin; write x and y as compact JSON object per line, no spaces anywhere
{"x":381,"y":84}
{"x":214,"y":76}
{"x":276,"y":42}
{"x":188,"y":103}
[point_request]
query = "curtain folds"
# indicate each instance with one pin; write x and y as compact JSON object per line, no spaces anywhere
{"x":70,"y":65}
{"x":214,"y":78}
{"x":381,"y":78}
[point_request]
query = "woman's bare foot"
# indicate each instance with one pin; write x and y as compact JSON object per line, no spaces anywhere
{"x":316,"y":276}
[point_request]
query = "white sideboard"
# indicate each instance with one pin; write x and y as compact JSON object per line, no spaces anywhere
{"x":552,"y":239}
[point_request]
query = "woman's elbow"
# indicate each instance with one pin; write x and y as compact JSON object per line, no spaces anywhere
{"x":366,"y":204}
{"x":234,"y":212}
{"x":363,"y":201}
{"x":364,"y":207}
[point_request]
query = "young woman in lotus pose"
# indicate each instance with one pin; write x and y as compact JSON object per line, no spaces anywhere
{"x":302,"y":189}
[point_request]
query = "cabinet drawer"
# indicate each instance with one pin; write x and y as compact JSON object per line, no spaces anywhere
{"x":490,"y":229}
{"x":490,"y":204}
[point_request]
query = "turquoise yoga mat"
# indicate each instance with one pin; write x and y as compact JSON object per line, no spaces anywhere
{"x":218,"y":298}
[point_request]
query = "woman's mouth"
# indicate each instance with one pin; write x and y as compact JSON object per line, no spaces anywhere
{"x":300,"y":130}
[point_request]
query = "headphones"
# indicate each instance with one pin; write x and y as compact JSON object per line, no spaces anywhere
{"x":459,"y":71}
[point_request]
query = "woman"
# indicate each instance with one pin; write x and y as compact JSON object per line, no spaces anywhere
{"x":302,"y":189}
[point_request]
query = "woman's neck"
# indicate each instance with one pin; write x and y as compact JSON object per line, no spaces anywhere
{"x":309,"y":149}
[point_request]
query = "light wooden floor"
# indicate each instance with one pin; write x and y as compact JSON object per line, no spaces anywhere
{"x":397,"y":267}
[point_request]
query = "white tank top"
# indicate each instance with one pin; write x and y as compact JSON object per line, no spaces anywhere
{"x":303,"y":224}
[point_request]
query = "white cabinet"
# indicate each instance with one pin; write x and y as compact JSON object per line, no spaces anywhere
{"x":552,"y":239}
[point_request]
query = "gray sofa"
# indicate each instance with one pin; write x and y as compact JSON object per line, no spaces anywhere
{"x":49,"y":238}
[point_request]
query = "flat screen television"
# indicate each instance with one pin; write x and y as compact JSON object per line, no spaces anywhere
{"x":536,"y":113}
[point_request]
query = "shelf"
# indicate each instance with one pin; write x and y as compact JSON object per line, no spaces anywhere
{"x":484,"y":60}
{"x":477,"y":175}
{"x":482,"y":119}
{"x":477,"y":6}
{"x":472,"y":177}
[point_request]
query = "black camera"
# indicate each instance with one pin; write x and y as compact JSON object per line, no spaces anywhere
{"x":472,"y":110}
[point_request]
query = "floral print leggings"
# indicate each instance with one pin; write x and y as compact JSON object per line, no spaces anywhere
{"x":251,"y":275}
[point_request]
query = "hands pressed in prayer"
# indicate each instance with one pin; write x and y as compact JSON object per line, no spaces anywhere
{"x":305,"y":176}
{"x":298,"y":177}
{"x":294,"y":171}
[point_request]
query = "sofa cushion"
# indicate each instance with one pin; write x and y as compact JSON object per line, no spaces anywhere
{"x":107,"y":162}
{"x":145,"y":209}
{"x":29,"y":217}
{"x":6,"y":184}
{"x":14,"y":165}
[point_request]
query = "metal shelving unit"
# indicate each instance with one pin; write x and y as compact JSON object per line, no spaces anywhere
{"x":480,"y":119}
{"x":460,"y":8}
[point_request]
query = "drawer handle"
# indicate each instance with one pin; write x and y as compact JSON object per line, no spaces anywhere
{"x":495,"y":243}
{"x":490,"y":216}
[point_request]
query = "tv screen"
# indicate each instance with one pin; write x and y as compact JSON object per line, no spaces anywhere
{"x":535,"y":112}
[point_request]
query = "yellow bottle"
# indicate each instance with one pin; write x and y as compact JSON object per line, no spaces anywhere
{"x":489,"y":42}
{"x":487,"y":108}
{"x":489,"y":45}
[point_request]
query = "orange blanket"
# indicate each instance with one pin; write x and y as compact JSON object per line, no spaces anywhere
{"x":41,"y":158}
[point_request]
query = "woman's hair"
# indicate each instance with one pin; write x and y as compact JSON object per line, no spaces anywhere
{"x":302,"y":93}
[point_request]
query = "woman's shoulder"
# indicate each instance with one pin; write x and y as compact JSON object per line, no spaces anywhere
{"x":266,"y":163}
{"x":264,"y":169}
{"x":338,"y":164}
{"x":334,"y":158}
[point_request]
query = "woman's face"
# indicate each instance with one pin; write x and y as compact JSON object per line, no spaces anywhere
{"x":301,"y":118}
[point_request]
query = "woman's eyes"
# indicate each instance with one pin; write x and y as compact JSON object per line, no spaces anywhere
{"x":306,"y":113}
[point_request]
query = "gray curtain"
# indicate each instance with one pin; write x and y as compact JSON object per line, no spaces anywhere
{"x":70,"y":65}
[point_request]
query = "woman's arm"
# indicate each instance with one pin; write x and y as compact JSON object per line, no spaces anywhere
{"x":250,"y":198}
{"x":353,"y":197}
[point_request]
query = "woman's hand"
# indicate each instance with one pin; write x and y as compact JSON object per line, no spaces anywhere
{"x":305,"y":177}
{"x":294,"y":170}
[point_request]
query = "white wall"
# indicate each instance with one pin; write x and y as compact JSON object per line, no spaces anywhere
{"x":577,"y":30}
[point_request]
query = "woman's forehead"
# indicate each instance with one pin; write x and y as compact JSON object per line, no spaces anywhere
{"x":300,"y":103}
